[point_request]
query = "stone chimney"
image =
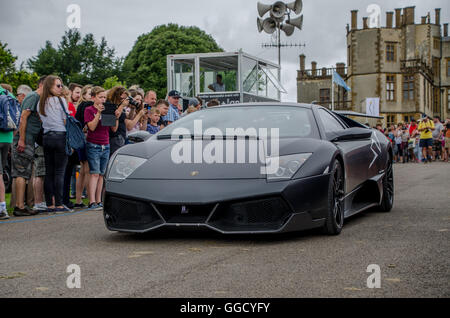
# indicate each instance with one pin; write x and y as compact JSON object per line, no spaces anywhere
{"x":409,"y":15}
{"x":354,"y":19}
{"x":446,"y":29}
{"x":314,"y":68}
{"x":302,"y":62}
{"x":340,"y":69}
{"x":438,"y":16}
{"x":365,"y":25}
{"x":424,"y":20}
{"x":389,"y":19}
{"x":398,"y":18}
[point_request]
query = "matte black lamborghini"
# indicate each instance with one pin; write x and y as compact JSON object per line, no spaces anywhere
{"x":222,"y":169}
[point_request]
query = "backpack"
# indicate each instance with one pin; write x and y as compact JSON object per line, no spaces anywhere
{"x":74,"y":133}
{"x":10,"y":112}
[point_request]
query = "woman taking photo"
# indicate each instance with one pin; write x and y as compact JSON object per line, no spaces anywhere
{"x":137,"y":116}
{"x":53,"y":119}
{"x":118,"y":96}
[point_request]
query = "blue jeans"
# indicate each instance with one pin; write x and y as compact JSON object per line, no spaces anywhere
{"x":98,"y":156}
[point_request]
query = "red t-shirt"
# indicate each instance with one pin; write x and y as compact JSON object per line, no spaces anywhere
{"x":411,"y":129}
{"x":72,"y":110}
{"x":100,"y":136}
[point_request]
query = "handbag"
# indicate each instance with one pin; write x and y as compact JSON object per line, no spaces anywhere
{"x":40,"y":137}
{"x":75,"y":138}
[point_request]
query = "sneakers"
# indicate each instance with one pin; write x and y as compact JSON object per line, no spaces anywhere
{"x":40,"y":207}
{"x":4,"y":215}
{"x":62,"y":210}
{"x":69,"y":205}
{"x":95,"y":207}
{"x":80,"y":206}
{"x":24,"y":212}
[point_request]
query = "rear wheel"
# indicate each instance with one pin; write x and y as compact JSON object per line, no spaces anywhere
{"x":335,"y":217}
{"x":388,"y":189}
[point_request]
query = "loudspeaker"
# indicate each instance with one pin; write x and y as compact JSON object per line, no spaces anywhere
{"x":263,"y":9}
{"x":278,"y":10}
{"x":259,"y":23}
{"x":270,"y":25}
{"x":288,"y":29}
{"x":297,"y":22}
{"x":296,"y":6}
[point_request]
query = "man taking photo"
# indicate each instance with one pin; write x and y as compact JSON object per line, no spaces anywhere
{"x":426,"y":128}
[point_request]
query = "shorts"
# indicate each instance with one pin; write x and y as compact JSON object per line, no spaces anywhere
{"x":22,"y":162}
{"x":437,"y":145}
{"x":39,"y":162}
{"x":426,"y":143}
{"x":98,"y":157}
{"x":4,"y":150}
{"x":447,"y":143}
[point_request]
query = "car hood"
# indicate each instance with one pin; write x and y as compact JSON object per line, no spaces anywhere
{"x":164,"y":158}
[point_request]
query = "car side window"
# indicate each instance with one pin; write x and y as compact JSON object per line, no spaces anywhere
{"x":329,"y":122}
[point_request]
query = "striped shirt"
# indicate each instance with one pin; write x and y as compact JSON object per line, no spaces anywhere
{"x":172,"y":115}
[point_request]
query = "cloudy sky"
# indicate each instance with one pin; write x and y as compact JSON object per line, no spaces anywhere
{"x":26,"y":24}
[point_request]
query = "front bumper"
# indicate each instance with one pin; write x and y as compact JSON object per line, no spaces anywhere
{"x":225,"y":206}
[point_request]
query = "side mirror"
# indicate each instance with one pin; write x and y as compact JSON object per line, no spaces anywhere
{"x":139,"y":136}
{"x":354,"y":133}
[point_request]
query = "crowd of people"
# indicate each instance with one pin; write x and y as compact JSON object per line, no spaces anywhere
{"x":45,"y":176}
{"x":422,"y":141}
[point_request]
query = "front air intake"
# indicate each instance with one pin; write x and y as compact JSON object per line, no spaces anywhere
{"x":264,"y":215}
{"x":121,"y":213}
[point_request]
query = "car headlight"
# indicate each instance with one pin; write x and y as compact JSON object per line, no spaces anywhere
{"x":123,"y":166}
{"x":285,"y":167}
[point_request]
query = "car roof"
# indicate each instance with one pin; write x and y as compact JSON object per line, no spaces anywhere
{"x":263,"y":104}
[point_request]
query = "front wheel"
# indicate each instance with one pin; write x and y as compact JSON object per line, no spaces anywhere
{"x":335,"y":216}
{"x":387,"y":201}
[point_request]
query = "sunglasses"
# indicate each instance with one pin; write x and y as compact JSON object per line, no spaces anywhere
{"x":59,"y":86}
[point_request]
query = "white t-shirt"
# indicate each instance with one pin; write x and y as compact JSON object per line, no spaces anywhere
{"x":218,"y":88}
{"x":54,"y":121}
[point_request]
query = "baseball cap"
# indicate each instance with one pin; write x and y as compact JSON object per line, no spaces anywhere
{"x":174,"y":94}
{"x":193,"y":102}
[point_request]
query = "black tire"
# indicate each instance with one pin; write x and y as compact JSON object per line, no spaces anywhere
{"x":335,"y":214}
{"x":387,"y":201}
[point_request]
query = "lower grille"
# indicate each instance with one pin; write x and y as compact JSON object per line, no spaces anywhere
{"x":265,"y":214}
{"x":185,"y":214}
{"x":128,"y":214}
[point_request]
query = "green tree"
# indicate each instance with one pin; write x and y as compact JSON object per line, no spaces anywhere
{"x":77,"y":59}
{"x":10,"y":75}
{"x":113,"y":81}
{"x":146,"y":63}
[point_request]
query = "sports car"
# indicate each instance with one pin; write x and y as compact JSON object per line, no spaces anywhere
{"x":251,"y":168}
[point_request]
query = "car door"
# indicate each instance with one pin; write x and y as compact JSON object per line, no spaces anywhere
{"x":356,"y":153}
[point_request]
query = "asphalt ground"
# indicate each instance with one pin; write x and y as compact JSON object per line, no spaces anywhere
{"x":410,"y":245}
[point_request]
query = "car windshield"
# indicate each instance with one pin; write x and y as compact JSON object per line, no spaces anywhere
{"x":289,"y":121}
